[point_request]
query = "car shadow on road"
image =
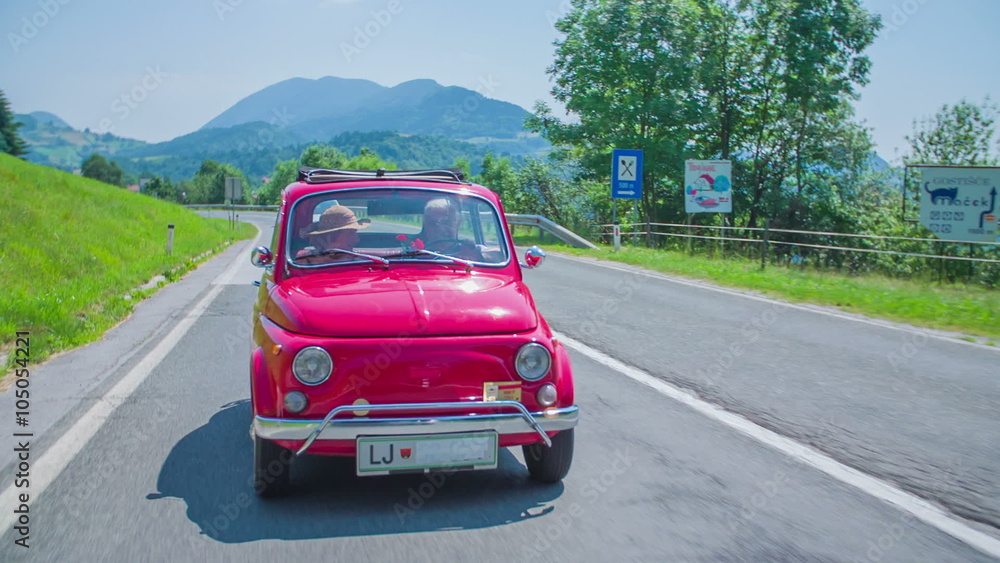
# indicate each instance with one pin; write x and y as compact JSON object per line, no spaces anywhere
{"x":209,"y":469}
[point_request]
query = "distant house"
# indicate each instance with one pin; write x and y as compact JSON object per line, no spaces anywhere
{"x":133,"y":188}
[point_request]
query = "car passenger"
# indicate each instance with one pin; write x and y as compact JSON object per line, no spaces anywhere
{"x":336,"y":229}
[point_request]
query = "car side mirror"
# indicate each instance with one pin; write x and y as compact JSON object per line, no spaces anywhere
{"x":533,"y":257}
{"x":262,"y":257}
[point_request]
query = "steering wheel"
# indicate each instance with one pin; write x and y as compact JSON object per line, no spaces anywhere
{"x":457,"y":247}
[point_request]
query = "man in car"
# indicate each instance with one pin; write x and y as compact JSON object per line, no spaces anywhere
{"x":442,"y":218}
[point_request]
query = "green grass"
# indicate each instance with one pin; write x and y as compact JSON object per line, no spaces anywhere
{"x":970,"y":310}
{"x":74,"y":250}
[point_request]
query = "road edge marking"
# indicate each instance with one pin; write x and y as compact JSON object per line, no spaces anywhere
{"x":873,"y":486}
{"x":58,"y":456}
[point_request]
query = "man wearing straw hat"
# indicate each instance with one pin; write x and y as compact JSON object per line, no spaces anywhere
{"x":337,"y":228}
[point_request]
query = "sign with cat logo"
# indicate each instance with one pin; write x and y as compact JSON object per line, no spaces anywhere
{"x":960,"y":203}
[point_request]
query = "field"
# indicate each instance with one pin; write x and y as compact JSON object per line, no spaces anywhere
{"x":75,"y":251}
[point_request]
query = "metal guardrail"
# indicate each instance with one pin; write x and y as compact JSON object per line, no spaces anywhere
{"x":233,"y":207}
{"x":551,"y":227}
{"x":767,"y":232}
{"x":821,"y":246}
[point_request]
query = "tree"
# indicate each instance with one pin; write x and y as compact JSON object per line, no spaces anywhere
{"x":463,"y":166}
{"x":161,"y":189}
{"x":323,"y":156}
{"x":540,"y":187}
{"x":98,"y":168}
{"x":284,"y":173}
{"x":765,"y":83}
{"x":317,"y":156}
{"x":809,"y":57}
{"x":367,"y":159}
{"x":10,"y":141}
{"x":499,"y":176}
{"x":209,"y":183}
{"x":959,"y":135}
{"x":623,"y":68}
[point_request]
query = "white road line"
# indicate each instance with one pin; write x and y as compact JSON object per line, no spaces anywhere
{"x":48,"y":467}
{"x":705,"y":285}
{"x":877,"y":488}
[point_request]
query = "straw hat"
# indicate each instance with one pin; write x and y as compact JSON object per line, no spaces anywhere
{"x":335,"y":218}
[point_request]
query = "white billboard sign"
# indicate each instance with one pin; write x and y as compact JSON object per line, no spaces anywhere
{"x":234,"y":188}
{"x":708,"y":186}
{"x":960,"y":203}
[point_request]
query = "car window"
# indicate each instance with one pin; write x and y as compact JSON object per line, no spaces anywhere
{"x":396,"y":223}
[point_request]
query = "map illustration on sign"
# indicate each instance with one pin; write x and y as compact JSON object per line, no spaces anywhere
{"x":960,"y":203}
{"x":707,"y":186}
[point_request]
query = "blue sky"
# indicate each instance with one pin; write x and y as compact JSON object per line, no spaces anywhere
{"x":180,"y":63}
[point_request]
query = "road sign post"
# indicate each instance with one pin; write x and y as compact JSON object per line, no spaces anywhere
{"x":626,"y":182}
{"x":626,"y":174}
{"x":234,"y":191}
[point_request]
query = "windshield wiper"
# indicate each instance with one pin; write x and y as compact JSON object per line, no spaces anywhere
{"x":376,"y":259}
{"x":419,"y":251}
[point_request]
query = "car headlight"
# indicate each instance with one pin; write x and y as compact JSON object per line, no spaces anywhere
{"x":533,"y":361}
{"x":312,"y":365}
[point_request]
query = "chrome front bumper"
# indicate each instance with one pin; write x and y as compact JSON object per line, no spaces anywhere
{"x":351,"y":428}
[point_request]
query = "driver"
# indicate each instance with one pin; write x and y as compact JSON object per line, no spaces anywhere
{"x":442,"y":217}
{"x":441,"y":220}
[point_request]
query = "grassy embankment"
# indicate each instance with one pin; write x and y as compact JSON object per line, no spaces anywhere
{"x":969,"y":310}
{"x":73,"y":252}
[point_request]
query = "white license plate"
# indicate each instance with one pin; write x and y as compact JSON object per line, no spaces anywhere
{"x":381,"y":455}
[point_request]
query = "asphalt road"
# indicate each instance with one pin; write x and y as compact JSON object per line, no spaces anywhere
{"x":164,"y":476}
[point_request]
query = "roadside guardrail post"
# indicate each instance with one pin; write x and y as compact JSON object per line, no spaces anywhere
{"x":972,"y":265}
{"x":763,"y":245}
{"x":170,"y":238}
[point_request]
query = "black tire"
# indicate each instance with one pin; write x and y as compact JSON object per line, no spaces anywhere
{"x":272,"y":468}
{"x":550,"y":464}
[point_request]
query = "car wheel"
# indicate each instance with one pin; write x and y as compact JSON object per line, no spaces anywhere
{"x":550,"y":464}
{"x":272,"y":468}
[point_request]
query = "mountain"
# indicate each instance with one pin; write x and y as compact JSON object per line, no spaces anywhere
{"x":182,"y":157}
{"x":245,"y":136}
{"x":877,"y":163}
{"x":417,"y":124}
{"x":52,"y":142}
{"x":47,"y":118}
{"x":296,"y":100}
{"x":322,"y":108}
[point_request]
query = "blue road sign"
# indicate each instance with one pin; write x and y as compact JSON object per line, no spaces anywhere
{"x":626,"y":174}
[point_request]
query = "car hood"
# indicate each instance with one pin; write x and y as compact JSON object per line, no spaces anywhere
{"x":393,"y":304}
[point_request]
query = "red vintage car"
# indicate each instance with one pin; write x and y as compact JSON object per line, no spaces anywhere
{"x":393,"y":325}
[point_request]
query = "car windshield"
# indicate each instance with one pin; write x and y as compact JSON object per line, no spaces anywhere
{"x":398,"y":224}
